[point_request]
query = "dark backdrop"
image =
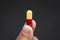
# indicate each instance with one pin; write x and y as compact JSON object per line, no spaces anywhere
{"x":45,"y":12}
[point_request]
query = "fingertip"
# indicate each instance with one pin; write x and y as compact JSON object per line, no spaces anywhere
{"x":27,"y":27}
{"x":33,"y":24}
{"x":27,"y":30}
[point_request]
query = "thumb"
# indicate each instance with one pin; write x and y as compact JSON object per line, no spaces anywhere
{"x":26,"y":33}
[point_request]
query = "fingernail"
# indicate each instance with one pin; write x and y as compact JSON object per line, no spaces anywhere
{"x":26,"y":32}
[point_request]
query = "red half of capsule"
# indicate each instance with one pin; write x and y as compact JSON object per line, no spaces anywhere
{"x":29,"y":22}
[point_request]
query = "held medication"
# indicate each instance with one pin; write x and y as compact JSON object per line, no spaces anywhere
{"x":29,"y":17}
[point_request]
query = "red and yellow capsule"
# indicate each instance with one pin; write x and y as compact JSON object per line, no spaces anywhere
{"x":29,"y":17}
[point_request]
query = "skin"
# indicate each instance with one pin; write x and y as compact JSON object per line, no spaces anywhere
{"x":27,"y":32}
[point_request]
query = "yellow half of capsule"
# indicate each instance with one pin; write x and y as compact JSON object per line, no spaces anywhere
{"x":29,"y":14}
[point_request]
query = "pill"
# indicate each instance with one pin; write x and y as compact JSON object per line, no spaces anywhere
{"x":29,"y":17}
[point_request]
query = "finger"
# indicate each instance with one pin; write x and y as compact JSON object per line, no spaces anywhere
{"x":33,"y":24}
{"x":35,"y":38}
{"x":26,"y":33}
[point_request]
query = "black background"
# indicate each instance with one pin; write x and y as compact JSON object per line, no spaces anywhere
{"x":45,"y":12}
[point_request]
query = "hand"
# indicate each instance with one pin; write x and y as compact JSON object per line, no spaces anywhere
{"x":27,"y":32}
